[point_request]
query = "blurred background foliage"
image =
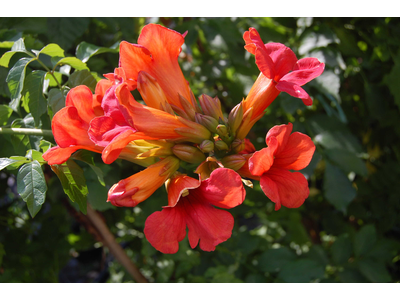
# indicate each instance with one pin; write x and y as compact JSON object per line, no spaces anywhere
{"x":348,"y":230}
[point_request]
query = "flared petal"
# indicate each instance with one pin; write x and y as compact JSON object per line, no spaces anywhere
{"x":209,"y":225}
{"x":81,"y":98}
{"x":294,"y":90}
{"x":157,"y":54}
{"x":297,"y":153}
{"x":283,"y":59}
{"x":137,"y":188}
{"x":223,"y":189}
{"x":165,"y":229}
{"x":179,"y":185}
{"x":284,"y":187}
{"x":261,"y":161}
{"x":281,"y":133}
{"x":102,"y":86}
{"x":305,"y":70}
{"x":58,"y":156}
{"x":111,"y":106}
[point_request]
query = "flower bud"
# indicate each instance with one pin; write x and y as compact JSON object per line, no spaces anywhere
{"x":207,"y":121}
{"x":187,"y":107}
{"x":235,"y":117}
{"x":222,"y":131}
{"x":221,"y":145}
{"x":188,"y":153}
{"x":238,"y":145}
{"x":234,"y":162}
{"x":211,"y":106}
{"x":206,"y":146}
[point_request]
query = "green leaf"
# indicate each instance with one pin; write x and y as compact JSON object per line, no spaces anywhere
{"x":364,"y":240}
{"x":73,"y":182}
{"x":87,"y":157}
{"x":18,"y":46}
{"x":347,"y":161}
{"x":374,"y":271}
{"x":73,"y":62}
{"x":33,"y":95}
{"x":65,"y":31}
{"x":337,"y":188}
{"x":13,"y":162}
{"x":35,"y":155}
{"x":50,"y":81}
{"x":342,"y":249}
{"x":15,"y":80}
{"x":84,"y":51}
{"x":52,"y":50}
{"x":31,"y":185}
{"x":56,"y":100}
{"x":83,"y":77}
{"x":328,"y":83}
{"x":274,"y":260}
{"x":21,"y":141}
{"x":5,"y":114}
{"x":301,"y":270}
{"x":392,"y":80}
{"x":2,"y":253}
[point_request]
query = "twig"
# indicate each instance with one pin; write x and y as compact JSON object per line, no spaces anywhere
{"x":113,"y":246}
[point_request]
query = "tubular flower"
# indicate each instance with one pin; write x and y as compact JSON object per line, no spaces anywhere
{"x":157,"y":54}
{"x":191,"y":204}
{"x":286,"y":151}
{"x":280,"y":72}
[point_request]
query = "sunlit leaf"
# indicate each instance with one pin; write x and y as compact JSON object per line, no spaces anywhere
{"x":18,"y":46}
{"x":5,"y":113}
{"x":31,"y":186}
{"x":52,"y":50}
{"x":85,"y":50}
{"x":73,"y":62}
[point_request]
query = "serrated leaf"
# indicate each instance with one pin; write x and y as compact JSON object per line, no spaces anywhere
{"x":15,"y":80}
{"x":74,"y":62}
{"x":52,"y":50}
{"x":31,"y":186}
{"x":5,"y":114}
{"x":33,"y":95}
{"x":364,"y":240}
{"x":56,"y":100}
{"x":86,"y":157}
{"x":83,"y":77}
{"x":18,"y":46}
{"x":13,"y":161}
{"x":73,"y":182}
{"x":84,"y":51}
{"x":337,"y":188}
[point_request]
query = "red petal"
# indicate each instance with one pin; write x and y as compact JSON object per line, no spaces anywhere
{"x":284,"y":187}
{"x":165,"y":229}
{"x":261,"y":161}
{"x":283,"y":59}
{"x":210,"y":225}
{"x":223,"y":189}
{"x":281,"y":133}
{"x":295,"y":91}
{"x":81,"y":98}
{"x":305,"y":70}
{"x":178,"y":185}
{"x":297,"y":153}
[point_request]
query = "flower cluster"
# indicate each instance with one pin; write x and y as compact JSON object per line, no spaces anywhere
{"x":173,"y":127}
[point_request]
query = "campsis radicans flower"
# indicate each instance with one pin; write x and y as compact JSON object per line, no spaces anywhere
{"x":174,"y":133}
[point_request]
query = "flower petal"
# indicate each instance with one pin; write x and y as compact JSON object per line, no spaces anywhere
{"x":81,"y":98}
{"x":223,"y":189}
{"x":295,"y":91}
{"x":305,"y":70}
{"x":210,"y":225}
{"x":165,"y":229}
{"x":261,"y":161}
{"x":297,"y":154}
{"x":281,"y":133}
{"x":283,"y":59}
{"x":178,"y":185}
{"x":284,"y":187}
{"x":58,"y":156}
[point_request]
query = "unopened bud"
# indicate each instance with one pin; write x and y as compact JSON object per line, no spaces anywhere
{"x":234,"y":162}
{"x":235,"y":117}
{"x":222,"y":131}
{"x":238,"y":145}
{"x":211,"y":106}
{"x":221,"y":145}
{"x":206,"y":146}
{"x":188,"y":153}
{"x":207,"y":121}
{"x":187,"y":107}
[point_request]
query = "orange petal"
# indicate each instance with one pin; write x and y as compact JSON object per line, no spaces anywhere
{"x":81,"y":98}
{"x":178,"y":185}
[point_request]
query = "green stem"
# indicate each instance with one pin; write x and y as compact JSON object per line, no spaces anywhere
{"x":45,"y":67}
{"x":26,"y":131}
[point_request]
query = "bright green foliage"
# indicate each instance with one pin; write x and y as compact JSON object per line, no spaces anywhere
{"x":346,"y":231}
